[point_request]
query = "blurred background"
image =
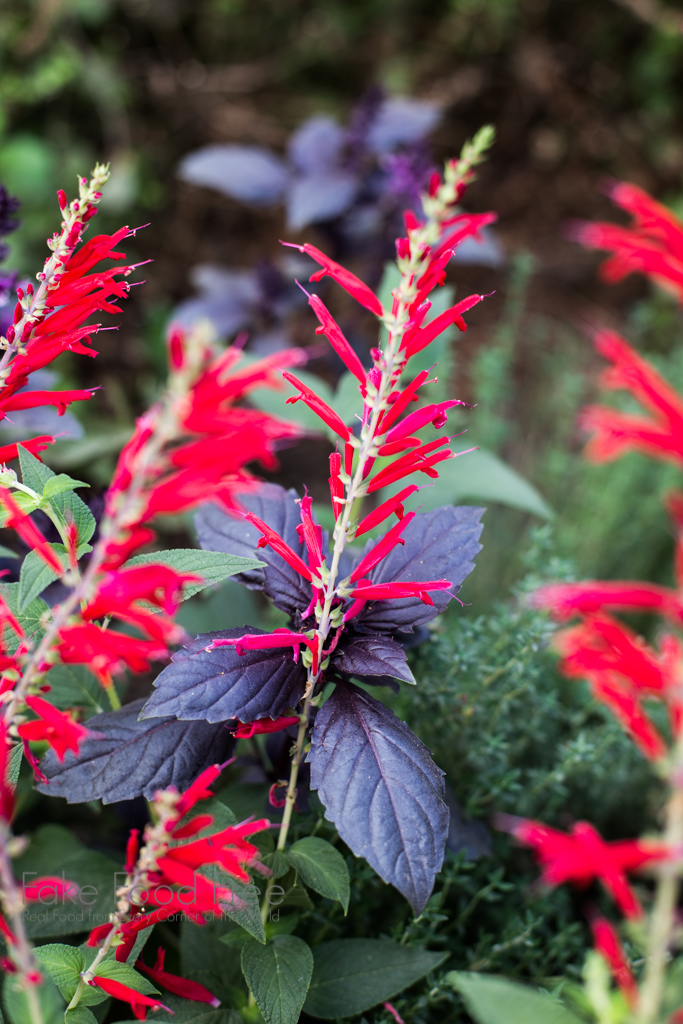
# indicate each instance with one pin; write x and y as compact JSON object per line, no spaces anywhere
{"x":230,"y":125}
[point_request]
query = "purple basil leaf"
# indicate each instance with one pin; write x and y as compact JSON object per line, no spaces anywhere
{"x":381,"y":789}
{"x":373,"y":655}
{"x":485,"y":251}
{"x":128,"y":758}
{"x":439,"y":545}
{"x":249,"y":173}
{"x":316,"y":144}
{"x":221,"y":684}
{"x":319,"y":197}
{"x":227,"y":298}
{"x":400,"y":121}
{"x":217,"y":530}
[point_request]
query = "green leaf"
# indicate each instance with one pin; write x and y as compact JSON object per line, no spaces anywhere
{"x":18,"y":1008}
{"x":60,"y":483}
{"x":34,"y":473}
{"x":80,"y":1015}
{"x":494,"y":1000}
{"x":15,"y":758}
{"x":53,"y":850}
{"x":353,"y":975}
{"x":322,"y":868}
{"x":7,"y":552}
{"x":29,"y":619}
{"x":278,"y":862}
{"x":76,"y":685}
{"x":348,"y":402}
{"x":278,"y":976}
{"x":34,"y":577}
{"x":212,"y":566}
{"x":481,"y":476}
{"x":71,"y":509}
{"x":64,"y":965}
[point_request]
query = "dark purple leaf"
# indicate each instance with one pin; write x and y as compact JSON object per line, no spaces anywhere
{"x":400,"y":121}
{"x":128,"y":758}
{"x":439,"y":545}
{"x":484,"y":250}
{"x":319,"y":197}
{"x":373,"y":655}
{"x":220,"y":684}
{"x":217,"y":530}
{"x":381,"y":789}
{"x":249,"y":173}
{"x":227,"y":297}
{"x":316,"y":144}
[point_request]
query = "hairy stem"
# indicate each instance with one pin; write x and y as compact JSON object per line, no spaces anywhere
{"x":13,"y":909}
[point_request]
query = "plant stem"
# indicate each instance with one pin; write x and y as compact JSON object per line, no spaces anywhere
{"x":13,"y":908}
{"x":663,"y":917}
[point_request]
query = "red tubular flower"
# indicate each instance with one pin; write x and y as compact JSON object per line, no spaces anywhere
{"x":418,"y":338}
{"x":332,"y":331}
{"x":178,"y":986}
{"x":132,"y":850}
{"x":436,"y":414}
{"x":119,"y":549}
{"x":50,"y":888}
{"x":106,"y":651}
{"x":268,"y":641}
{"x":608,"y":946}
{"x":582,"y":856}
{"x":35,"y":445}
{"x":246,"y":730}
{"x":310,"y":535}
{"x":381,"y":549}
{"x":352,"y":284}
{"x":617,"y":432}
{"x":6,"y":789}
{"x":158,"y":584}
{"x":420,"y":460}
{"x":369,"y":591}
{"x":336,"y":485}
{"x":29,"y":532}
{"x":400,"y":401}
{"x":56,"y":727}
{"x":280,"y":546}
{"x":139,"y":1003}
{"x":199,"y":790}
{"x":32,"y":399}
{"x":390,"y":506}
{"x":566,"y":599}
{"x":654,"y":246}
{"x":627,"y":709}
{"x":602,"y":644}
{"x":316,"y":404}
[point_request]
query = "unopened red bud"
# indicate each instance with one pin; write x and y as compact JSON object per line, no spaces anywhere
{"x":376,"y":354}
{"x":61,"y":199}
{"x":7,"y":965}
{"x":20,"y":293}
{"x":11,"y":333}
{"x":89,"y":213}
{"x":402,"y":248}
{"x":29,"y":289}
{"x":434,"y":183}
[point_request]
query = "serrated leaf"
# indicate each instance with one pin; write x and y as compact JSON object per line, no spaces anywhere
{"x":34,"y":577}
{"x":373,"y":655}
{"x":217,"y":530}
{"x":382,"y":790}
{"x":352,"y":975}
{"x":220,"y":684}
{"x":71,"y":509}
{"x":482,"y":476}
{"x":34,"y":473}
{"x":278,"y":976}
{"x":18,"y":1008}
{"x":29,"y":619}
{"x":493,"y":1000}
{"x":75,"y":685}
{"x":278,"y":862}
{"x":60,"y":483}
{"x":245,"y":910}
{"x":212,"y":566}
{"x":322,"y":868}
{"x":64,"y":965}
{"x":126,"y":758}
{"x":55,"y":850}
{"x":15,"y":759}
{"x":438,"y":545}
{"x":80,"y":1015}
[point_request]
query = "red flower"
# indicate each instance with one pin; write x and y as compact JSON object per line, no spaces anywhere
{"x":56,"y":727}
{"x":105,"y":651}
{"x":268,"y":641}
{"x":582,"y":856}
{"x":336,"y":484}
{"x":369,"y":591}
{"x":588,"y":596}
{"x":615,"y":432}
{"x":29,"y":532}
{"x":331,"y":329}
{"x":608,"y":946}
{"x":49,"y":889}
{"x":245,"y":731}
{"x":437,"y":415}
{"x":417,"y":338}
{"x":139,"y":1003}
{"x":352,"y":284}
{"x":390,"y":506}
{"x":278,"y":544}
{"x":34,"y":446}
{"x":382,"y":548}
{"x":316,"y":404}
{"x":178,"y":986}
{"x":627,"y":709}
